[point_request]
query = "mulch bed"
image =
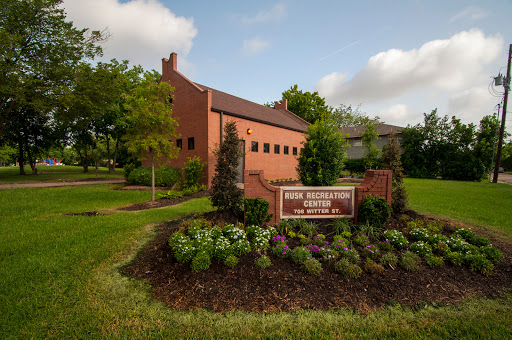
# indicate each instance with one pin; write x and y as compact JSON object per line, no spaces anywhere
{"x":162,"y":202}
{"x":285,"y":287}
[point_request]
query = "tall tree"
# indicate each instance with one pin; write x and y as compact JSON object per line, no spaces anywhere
{"x":321,"y":159}
{"x":225,"y":195}
{"x":150,"y":123}
{"x":309,"y":106}
{"x":38,"y":51}
{"x":346,"y":115}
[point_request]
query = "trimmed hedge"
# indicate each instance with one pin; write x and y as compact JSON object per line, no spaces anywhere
{"x":165,"y":176}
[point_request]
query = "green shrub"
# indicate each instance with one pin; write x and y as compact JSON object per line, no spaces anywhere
{"x":421,"y":248}
{"x":410,"y":261}
{"x":281,"y":250}
{"x":419,"y":234}
{"x":190,"y":190}
{"x":262,"y":262}
{"x":372,"y":230}
{"x":256,"y":211}
{"x":433,"y":261}
{"x":434,"y":239}
{"x":361,"y":239}
{"x":491,"y":253}
{"x":348,"y":269}
{"x":370,"y":251}
{"x":341,"y":225}
{"x":351,"y":255}
{"x":128,"y":168}
{"x":231,"y":261}
{"x":221,"y":248}
{"x":478,"y":262}
{"x":201,"y":261}
{"x":374,"y":210}
{"x":396,"y":239}
{"x":307,"y":228}
{"x":441,"y":248}
{"x":389,"y":259}
{"x":300,"y":254}
{"x":193,"y":169}
{"x":455,"y":258}
{"x":283,"y":227}
{"x":171,"y":194}
{"x":385,"y":245}
{"x":312,"y":266}
{"x":373,"y":267}
{"x":318,"y":240}
{"x":467,"y":235}
{"x":240,"y":247}
{"x":481,"y":241}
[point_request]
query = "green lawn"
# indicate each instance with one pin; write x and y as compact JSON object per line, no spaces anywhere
{"x":478,"y":203}
{"x":59,"y":278}
{"x":54,"y":173}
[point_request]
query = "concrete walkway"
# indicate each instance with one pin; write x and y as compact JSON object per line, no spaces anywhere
{"x":505,"y":178}
{"x":61,"y":184}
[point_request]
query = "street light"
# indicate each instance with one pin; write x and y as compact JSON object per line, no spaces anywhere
{"x":505,"y":81}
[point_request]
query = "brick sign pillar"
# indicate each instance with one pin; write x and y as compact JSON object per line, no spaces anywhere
{"x":376,"y":182}
{"x":255,"y":185}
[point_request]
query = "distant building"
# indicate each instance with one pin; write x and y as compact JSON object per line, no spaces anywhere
{"x":356,"y":149}
{"x":270,"y":138}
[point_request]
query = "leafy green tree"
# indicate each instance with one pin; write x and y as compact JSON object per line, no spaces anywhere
{"x":321,"y":159}
{"x":7,"y":153}
{"x":345,"y":115}
{"x":309,"y":106}
{"x":150,"y":121}
{"x":225,"y":195}
{"x":38,"y":51}
{"x":372,"y":152}
{"x":391,"y":161}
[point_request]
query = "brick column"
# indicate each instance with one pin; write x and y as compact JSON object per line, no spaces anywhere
{"x":255,"y":185}
{"x":376,"y":182}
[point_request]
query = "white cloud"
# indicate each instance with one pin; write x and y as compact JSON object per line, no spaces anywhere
{"x":467,"y":105}
{"x":142,"y":31}
{"x":399,"y":114}
{"x":254,"y":46}
{"x":447,"y":65}
{"x":275,"y":14}
{"x":471,"y":13}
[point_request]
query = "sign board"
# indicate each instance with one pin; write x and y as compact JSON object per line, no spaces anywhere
{"x":317,"y":202}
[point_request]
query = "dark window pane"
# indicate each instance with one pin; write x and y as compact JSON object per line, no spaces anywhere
{"x":254,"y":146}
{"x":191,"y":143}
{"x":295,"y":151}
{"x":276,"y":148}
{"x":266,"y":147}
{"x":285,"y":149}
{"x":179,"y":143}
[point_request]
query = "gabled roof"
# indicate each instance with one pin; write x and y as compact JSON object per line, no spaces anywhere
{"x":382,"y":130}
{"x":238,"y":107}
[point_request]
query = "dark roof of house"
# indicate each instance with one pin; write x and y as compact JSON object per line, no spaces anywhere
{"x":238,"y":107}
{"x":382,"y":130}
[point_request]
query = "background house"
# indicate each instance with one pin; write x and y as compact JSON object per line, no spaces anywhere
{"x":356,"y":149}
{"x":271,"y":138}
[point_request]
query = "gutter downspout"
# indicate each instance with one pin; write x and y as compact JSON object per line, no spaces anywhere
{"x":221,"y":127}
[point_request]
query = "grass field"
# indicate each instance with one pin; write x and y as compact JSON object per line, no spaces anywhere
{"x":54,"y":173}
{"x":59,"y":275}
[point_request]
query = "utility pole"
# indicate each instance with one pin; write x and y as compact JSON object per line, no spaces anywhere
{"x":506,"y":85}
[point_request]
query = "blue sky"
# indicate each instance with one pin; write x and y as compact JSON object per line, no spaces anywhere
{"x":397,"y":59}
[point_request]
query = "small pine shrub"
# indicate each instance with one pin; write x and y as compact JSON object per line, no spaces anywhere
{"x":312,"y":266}
{"x":373,"y":267}
{"x":201,"y":261}
{"x":433,"y":261}
{"x":231,"y":261}
{"x":374,"y":210}
{"x":262,"y":262}
{"x":348,"y":269}
{"x":410,"y":261}
{"x":389,"y":259}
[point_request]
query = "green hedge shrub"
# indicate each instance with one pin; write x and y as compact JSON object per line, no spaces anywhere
{"x":374,"y":210}
{"x":165,"y":176}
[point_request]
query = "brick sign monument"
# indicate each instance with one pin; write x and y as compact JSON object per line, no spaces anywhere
{"x":317,"y":202}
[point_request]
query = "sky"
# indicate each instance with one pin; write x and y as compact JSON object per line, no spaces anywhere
{"x":396,"y":59}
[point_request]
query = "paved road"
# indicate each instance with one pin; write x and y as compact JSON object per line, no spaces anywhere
{"x":61,"y":184}
{"x":505,"y":178}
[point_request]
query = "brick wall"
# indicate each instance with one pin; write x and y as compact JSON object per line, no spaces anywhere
{"x":376,"y":182}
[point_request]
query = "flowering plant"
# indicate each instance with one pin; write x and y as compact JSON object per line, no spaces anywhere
{"x":396,"y":239}
{"x":361,"y":239}
{"x":419,"y":234}
{"x":370,"y":251}
{"x":421,"y":248}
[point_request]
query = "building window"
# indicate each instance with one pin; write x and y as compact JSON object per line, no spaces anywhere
{"x":295,"y":151}
{"x":179,"y":143}
{"x":358,"y":142}
{"x":276,"y":148}
{"x":254,"y":146}
{"x":285,"y":150}
{"x":266,"y":147}
{"x":191,"y":143}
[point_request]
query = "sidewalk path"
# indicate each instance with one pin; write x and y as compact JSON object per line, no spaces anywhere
{"x":505,"y":178}
{"x":61,"y":184}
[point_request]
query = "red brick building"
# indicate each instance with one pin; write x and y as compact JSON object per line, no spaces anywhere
{"x":271,"y":138}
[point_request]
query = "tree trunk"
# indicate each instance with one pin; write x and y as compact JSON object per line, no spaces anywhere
{"x":109,"y":164}
{"x":152,"y":178}
{"x":114,"y":158}
{"x":85,"y":163}
{"x":20,"y":156}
